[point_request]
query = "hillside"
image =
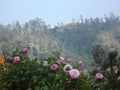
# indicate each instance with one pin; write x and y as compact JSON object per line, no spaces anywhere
{"x":73,"y":40}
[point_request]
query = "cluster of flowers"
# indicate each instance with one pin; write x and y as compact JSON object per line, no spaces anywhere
{"x":16,"y":59}
{"x":56,"y":68}
{"x":74,"y":73}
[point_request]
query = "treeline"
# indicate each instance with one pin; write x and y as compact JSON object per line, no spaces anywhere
{"x":73,"y":40}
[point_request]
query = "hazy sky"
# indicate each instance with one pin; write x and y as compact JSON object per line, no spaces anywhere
{"x":54,"y":11}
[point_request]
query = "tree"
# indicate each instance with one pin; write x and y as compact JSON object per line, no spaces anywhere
{"x":109,"y":64}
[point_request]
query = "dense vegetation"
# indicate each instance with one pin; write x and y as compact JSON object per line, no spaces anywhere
{"x":107,"y":62}
{"x":73,"y":40}
{"x":19,"y":72}
{"x":92,"y":41}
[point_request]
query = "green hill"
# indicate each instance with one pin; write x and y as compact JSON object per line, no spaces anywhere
{"x":73,"y":40}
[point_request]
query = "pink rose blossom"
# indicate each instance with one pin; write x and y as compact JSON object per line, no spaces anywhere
{"x":25,"y":50}
{"x":54,"y":66}
{"x":16,"y":59}
{"x":8,"y":58}
{"x":61,"y":59}
{"x":68,"y":61}
{"x":80,"y":63}
{"x":74,"y":73}
{"x":45,"y":63}
{"x":99,"y":75}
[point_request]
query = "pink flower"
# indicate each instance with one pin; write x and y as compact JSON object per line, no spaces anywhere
{"x":68,"y":61}
{"x":54,"y":66}
{"x":74,"y":73}
{"x":25,"y":50}
{"x":80,"y":63}
{"x":8,"y":58}
{"x":45,"y":63}
{"x":61,"y":59}
{"x":99,"y":75}
{"x":16,"y":59}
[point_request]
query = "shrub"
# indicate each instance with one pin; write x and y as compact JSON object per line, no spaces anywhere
{"x":54,"y":73}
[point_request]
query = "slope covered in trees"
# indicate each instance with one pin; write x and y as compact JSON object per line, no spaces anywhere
{"x":73,"y":40}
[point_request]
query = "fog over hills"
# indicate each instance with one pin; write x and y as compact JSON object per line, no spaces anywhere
{"x":73,"y":40}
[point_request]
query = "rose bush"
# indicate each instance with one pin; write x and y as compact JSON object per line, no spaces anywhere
{"x":53,"y":73}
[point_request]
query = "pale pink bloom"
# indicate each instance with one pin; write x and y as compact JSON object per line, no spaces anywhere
{"x":67,"y":68}
{"x":54,"y":66}
{"x":80,"y":63}
{"x":61,"y":59}
{"x":8,"y":58}
{"x":45,"y":63}
{"x":68,"y":61}
{"x":25,"y":50}
{"x":16,"y":59}
{"x":99,"y":75}
{"x":74,"y":73}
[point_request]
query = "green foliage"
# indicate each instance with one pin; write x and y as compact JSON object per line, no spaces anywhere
{"x":98,"y":54}
{"x":32,"y":74}
{"x":109,"y":66}
{"x":113,"y":54}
